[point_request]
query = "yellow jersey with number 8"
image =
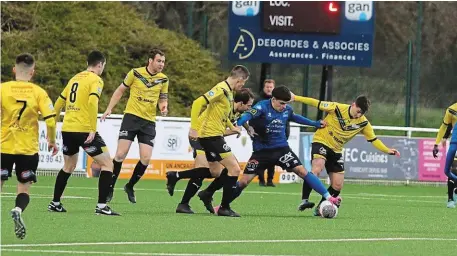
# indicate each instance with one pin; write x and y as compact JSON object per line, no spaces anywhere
{"x":76,"y":95}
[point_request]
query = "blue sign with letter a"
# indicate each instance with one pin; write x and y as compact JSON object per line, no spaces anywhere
{"x":302,"y":32}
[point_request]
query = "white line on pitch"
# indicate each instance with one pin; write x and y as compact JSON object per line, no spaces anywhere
{"x":325,"y":240}
{"x":133,"y":253}
{"x":10,"y":195}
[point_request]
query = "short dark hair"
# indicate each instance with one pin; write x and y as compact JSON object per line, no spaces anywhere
{"x":243,"y":95}
{"x":154,"y":52}
{"x":363,"y":103}
{"x":282,"y":93}
{"x":240,"y":71}
{"x":94,"y":58}
{"x":25,"y":59}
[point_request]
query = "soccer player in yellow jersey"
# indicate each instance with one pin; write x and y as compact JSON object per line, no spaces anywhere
{"x":450,"y":118}
{"x":243,"y":100}
{"x":343,"y":123}
{"x":219,"y":104}
{"x":148,"y":88}
{"x":80,"y":98}
{"x":22,"y":103}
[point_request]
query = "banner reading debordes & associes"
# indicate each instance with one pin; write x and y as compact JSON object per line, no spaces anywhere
{"x":363,"y":161}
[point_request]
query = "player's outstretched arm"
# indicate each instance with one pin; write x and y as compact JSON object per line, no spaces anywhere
{"x":369,"y":134}
{"x":117,"y":95}
{"x":326,"y":106}
{"x":305,"y":100}
{"x":305,"y":121}
{"x":248,"y":115}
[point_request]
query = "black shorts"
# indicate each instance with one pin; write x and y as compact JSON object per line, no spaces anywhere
{"x":215,"y":148}
{"x":261,"y":160}
{"x":196,"y":147}
{"x":26,"y":166}
{"x":133,"y":126}
{"x":334,"y":161}
{"x":73,"y":140}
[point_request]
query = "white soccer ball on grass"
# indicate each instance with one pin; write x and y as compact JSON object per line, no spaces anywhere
{"x":328,"y":210}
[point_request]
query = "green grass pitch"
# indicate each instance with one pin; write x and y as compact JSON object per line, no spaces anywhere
{"x":373,"y":220}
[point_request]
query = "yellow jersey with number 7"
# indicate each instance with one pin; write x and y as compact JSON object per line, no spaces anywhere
{"x":22,"y":103}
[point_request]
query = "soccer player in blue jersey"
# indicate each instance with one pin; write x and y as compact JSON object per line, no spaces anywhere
{"x":450,"y":156}
{"x":270,"y":147}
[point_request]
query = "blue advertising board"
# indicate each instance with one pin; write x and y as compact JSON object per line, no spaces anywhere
{"x":302,"y":32}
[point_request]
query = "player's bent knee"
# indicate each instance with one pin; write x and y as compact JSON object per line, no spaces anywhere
{"x":243,"y":183}
{"x":317,"y":165}
{"x":215,"y":168}
{"x":104,"y":160}
{"x":336,"y":180}
{"x":337,"y":185}
{"x":200,"y":161}
{"x":121,"y":153}
{"x":316,"y":170}
{"x":120,"y":157}
{"x":300,"y":171}
{"x":214,"y":173}
{"x":232,"y":165}
{"x":69,"y":167}
{"x":235,"y":171}
{"x":245,"y":180}
{"x":145,"y":160}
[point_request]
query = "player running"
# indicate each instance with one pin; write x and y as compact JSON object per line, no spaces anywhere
{"x":148,"y":89}
{"x":22,"y":102}
{"x":80,"y":98}
{"x":269,"y":119}
{"x":242,"y":101}
{"x":219,"y":104}
{"x":343,"y":123}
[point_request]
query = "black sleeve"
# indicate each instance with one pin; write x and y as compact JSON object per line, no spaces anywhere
{"x":448,"y":132}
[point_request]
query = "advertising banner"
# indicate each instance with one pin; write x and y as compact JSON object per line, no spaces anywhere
{"x":431,"y":169}
{"x":172,"y":151}
{"x":46,"y":160}
{"x":363,"y":161}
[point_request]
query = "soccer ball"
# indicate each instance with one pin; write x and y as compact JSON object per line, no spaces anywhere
{"x":328,"y":210}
